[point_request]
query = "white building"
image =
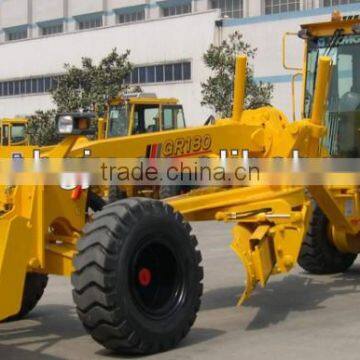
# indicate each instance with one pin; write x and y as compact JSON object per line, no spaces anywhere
{"x":167,"y":40}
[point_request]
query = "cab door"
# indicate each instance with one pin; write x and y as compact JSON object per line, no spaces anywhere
{"x":146,"y":119}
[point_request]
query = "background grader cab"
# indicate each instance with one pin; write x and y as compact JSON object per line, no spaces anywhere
{"x":136,"y":270}
{"x":13,"y":132}
{"x":140,"y":113}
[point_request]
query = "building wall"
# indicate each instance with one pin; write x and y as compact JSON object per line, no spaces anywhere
{"x":46,"y":10}
{"x":161,"y":41}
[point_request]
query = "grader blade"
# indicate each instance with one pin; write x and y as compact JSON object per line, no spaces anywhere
{"x":271,"y":248}
{"x":258,"y":262}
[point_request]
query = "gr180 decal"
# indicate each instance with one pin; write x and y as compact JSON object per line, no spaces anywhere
{"x":183,"y":146}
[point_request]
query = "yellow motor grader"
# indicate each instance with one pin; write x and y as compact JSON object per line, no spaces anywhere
{"x":135,"y":266}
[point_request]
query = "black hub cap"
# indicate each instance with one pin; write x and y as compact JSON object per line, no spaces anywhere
{"x":156,"y":279}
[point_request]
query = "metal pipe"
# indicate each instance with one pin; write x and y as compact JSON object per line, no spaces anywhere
{"x":239,"y":87}
{"x":321,"y":90}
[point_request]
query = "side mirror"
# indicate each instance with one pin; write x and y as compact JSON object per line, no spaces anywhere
{"x":285,"y":52}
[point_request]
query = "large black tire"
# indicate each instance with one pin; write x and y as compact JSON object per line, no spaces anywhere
{"x":318,"y":255}
{"x":35,"y":285}
{"x":138,"y":280}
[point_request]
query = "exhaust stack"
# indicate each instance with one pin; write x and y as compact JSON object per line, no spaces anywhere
{"x":321,"y":90}
{"x":239,"y":87}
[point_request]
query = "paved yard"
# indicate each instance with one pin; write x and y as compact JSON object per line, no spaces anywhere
{"x":296,"y":317}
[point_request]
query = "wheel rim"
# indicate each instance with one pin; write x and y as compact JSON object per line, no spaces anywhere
{"x":156,"y":279}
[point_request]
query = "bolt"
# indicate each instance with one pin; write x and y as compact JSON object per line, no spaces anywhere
{"x":288,"y":261}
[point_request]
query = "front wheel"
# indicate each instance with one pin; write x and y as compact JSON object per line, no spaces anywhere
{"x":138,"y":280}
{"x":35,"y":284}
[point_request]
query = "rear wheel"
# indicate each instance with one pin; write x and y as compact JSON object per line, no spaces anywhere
{"x":35,"y":285}
{"x":318,"y":255}
{"x":137,"y":280}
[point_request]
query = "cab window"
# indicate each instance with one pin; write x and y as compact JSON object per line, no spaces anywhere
{"x":118,"y":121}
{"x":173,"y":117}
{"x":5,"y":135}
{"x":146,"y":119}
{"x":18,"y":133}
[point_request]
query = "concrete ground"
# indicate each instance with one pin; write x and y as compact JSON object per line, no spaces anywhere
{"x":298,"y":316}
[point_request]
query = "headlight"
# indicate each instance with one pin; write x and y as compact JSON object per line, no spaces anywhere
{"x":76,"y":124}
{"x":65,"y":124}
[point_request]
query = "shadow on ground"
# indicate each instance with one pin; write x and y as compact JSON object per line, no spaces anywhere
{"x":50,"y":324}
{"x":42,"y":329}
{"x":292,"y":294}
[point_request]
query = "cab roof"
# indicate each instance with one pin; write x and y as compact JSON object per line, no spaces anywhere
{"x":13,"y":121}
{"x":338,"y":21}
{"x":144,"y":98}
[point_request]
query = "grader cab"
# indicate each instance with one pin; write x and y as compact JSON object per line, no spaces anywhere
{"x":135,"y":267}
{"x":338,"y":39}
{"x":13,"y":132}
{"x":140,"y":113}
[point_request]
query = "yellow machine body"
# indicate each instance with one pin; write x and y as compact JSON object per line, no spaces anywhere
{"x":269,"y":221}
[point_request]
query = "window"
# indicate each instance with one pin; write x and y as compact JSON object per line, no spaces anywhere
{"x":51,"y":29}
{"x":160,"y":73}
{"x":179,"y":71}
{"x":169,"y":73}
{"x":47,"y":84}
{"x":325,"y":3}
{"x":147,"y":119}
{"x":281,"y":6}
{"x":5,"y":139}
{"x":135,"y":76}
{"x":90,"y":23}
{"x":173,"y":117}
{"x":5,"y":91}
{"x":131,"y":16}
{"x":118,"y":119}
{"x":150,"y":74}
{"x":18,"y":133}
{"x":343,"y":111}
{"x":41,"y":87}
{"x":229,"y":8}
{"x":176,"y":10}
{"x":13,"y":35}
{"x":142,"y":74}
{"x":186,"y":71}
{"x":36,"y":85}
